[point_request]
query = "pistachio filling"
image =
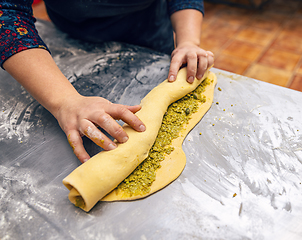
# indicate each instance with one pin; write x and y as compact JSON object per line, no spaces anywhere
{"x":79,"y":202}
{"x":177,"y":115}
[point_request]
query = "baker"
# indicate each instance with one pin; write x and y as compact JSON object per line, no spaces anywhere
{"x":147,"y":23}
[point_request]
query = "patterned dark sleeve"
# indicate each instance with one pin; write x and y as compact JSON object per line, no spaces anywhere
{"x":17,"y":29}
{"x":176,"y":5}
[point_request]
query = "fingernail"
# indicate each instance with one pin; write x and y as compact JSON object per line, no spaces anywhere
{"x":172,"y":78}
{"x":199,"y":76}
{"x":125,"y":139}
{"x":85,"y":160}
{"x":142,"y":128}
{"x":111,"y":146}
{"x":191,"y":79}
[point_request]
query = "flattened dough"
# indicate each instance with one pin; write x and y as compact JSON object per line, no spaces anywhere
{"x":94,"y":179}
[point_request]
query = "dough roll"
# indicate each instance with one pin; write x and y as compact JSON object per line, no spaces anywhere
{"x":171,"y":162}
{"x":94,"y":179}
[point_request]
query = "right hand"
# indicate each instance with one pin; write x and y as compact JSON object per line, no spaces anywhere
{"x":81,"y":115}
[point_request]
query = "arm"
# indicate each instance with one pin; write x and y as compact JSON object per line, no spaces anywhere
{"x":77,"y":115}
{"x":23,"y":55}
{"x":187,"y":26}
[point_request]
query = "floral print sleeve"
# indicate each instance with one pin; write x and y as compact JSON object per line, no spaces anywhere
{"x":176,"y":5}
{"x":17,"y":29}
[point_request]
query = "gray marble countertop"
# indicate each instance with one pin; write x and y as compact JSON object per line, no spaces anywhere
{"x":243,"y":178}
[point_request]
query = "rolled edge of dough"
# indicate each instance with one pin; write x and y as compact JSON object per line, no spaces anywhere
{"x":94,"y":179}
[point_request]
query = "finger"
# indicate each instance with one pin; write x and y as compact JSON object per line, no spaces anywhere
{"x":210,"y":54}
{"x":210,"y":59}
{"x":133,"y":109}
{"x":176,"y":62}
{"x":205,"y":60}
{"x":76,"y":143}
{"x":93,"y":133}
{"x":202,"y":66}
{"x":191,"y":66}
{"x":122,"y":112}
{"x":106,"y":121}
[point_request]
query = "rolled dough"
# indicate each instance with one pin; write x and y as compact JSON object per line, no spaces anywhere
{"x":94,"y":179}
{"x":174,"y":163}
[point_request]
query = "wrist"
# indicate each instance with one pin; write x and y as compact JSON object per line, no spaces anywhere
{"x":187,"y":26}
{"x":56,"y":103}
{"x":186,"y":43}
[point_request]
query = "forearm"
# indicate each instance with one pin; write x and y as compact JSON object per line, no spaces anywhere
{"x":37,"y":72}
{"x":76,"y":114}
{"x":187,"y":26}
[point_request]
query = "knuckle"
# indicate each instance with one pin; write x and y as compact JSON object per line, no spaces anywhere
{"x":178,"y":51}
{"x":192,"y":68}
{"x":103,"y":119}
{"x":118,"y":131}
{"x":202,"y":62}
{"x":176,"y":61}
{"x":174,"y":52}
{"x":68,"y":126}
{"x":201,"y":68}
{"x":210,"y":53}
{"x":191,"y":55}
{"x":192,"y":72}
{"x":204,"y":53}
{"x":82,"y":124}
{"x":122,"y":110}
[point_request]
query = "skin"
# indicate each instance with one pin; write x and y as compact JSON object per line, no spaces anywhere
{"x":187,"y":26}
{"x":78,"y":115}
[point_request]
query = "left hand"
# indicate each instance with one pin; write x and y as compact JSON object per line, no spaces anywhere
{"x":197,"y":60}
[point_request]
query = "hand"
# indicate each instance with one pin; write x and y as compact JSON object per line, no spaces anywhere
{"x":82,"y":115}
{"x":197,"y":60}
